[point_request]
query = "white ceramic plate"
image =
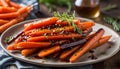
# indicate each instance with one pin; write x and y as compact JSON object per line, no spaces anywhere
{"x":84,"y":60}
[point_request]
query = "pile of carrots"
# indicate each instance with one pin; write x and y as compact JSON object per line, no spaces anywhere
{"x":11,"y":13}
{"x":53,"y":37}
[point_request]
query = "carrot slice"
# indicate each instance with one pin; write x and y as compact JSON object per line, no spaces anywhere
{"x":27,"y":52}
{"x":48,"y":51}
{"x":41,"y":23}
{"x":87,"y":46}
{"x":27,"y":45}
{"x":54,"y":37}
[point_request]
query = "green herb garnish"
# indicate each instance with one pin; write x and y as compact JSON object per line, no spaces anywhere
{"x":113,"y":22}
{"x":110,"y":7}
{"x":69,"y":18}
{"x":7,"y":39}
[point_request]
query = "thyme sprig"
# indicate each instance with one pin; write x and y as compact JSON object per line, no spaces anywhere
{"x":113,"y":22}
{"x":69,"y":18}
{"x":110,"y":7}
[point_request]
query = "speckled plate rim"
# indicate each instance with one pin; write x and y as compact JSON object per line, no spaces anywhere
{"x":55,"y":64}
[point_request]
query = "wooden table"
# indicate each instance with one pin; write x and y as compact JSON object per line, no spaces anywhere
{"x":113,"y":62}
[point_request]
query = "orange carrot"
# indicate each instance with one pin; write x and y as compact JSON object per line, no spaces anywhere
{"x":12,"y":22}
{"x":13,"y":4}
{"x":9,"y":15}
{"x":7,"y":9}
{"x":54,"y":37}
{"x":55,"y":30}
{"x":41,"y":23}
{"x":63,"y":23}
{"x":87,"y":46}
{"x":102,"y":41}
{"x":27,"y":52}
{"x":67,"y":53}
{"x":3,"y":21}
{"x":28,"y":45}
{"x":48,"y":51}
{"x":82,"y":25}
{"x":85,"y":25}
{"x":24,"y":9}
{"x":12,"y":47}
{"x":4,"y":3}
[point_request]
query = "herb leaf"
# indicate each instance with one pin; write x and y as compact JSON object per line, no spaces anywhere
{"x":69,"y":18}
{"x":110,"y":7}
{"x":113,"y":22}
{"x":7,"y":39}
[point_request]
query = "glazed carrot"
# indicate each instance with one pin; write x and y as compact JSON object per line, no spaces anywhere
{"x":41,"y":23}
{"x":12,"y":47}
{"x":9,"y":15}
{"x":24,"y":9}
{"x":4,"y":3}
{"x":3,"y":21}
{"x":102,"y":41}
{"x":27,"y":52}
{"x":85,"y":25}
{"x":5,"y":26}
{"x":28,"y":45}
{"x":54,"y":37}
{"x":12,"y":22}
{"x":63,"y":23}
{"x":7,"y":9}
{"x":13,"y":4}
{"x":68,"y":52}
{"x":55,"y":30}
{"x":48,"y":51}
{"x":87,"y":46}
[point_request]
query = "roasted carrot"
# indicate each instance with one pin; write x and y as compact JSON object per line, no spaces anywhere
{"x":5,"y":26}
{"x":55,"y":30}
{"x":12,"y":47}
{"x":85,"y":25}
{"x":27,"y":52}
{"x":3,"y":21}
{"x":41,"y":23}
{"x":82,"y":25}
{"x":102,"y":41}
{"x":7,"y":9}
{"x":87,"y":46}
{"x":4,"y":3}
{"x":54,"y":37}
{"x":28,"y":45}
{"x":9,"y":15}
{"x":24,"y":9}
{"x":12,"y":22}
{"x":13,"y":4}
{"x":46,"y":52}
{"x":63,"y":23}
{"x":68,"y":52}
